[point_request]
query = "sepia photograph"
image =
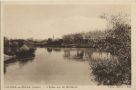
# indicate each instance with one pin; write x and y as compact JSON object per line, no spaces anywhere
{"x":67,"y":44}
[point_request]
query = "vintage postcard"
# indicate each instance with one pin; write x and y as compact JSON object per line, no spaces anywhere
{"x":67,"y":45}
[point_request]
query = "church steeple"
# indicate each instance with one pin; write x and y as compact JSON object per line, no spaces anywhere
{"x":53,"y":37}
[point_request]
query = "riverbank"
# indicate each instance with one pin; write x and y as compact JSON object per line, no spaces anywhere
{"x":18,"y":49}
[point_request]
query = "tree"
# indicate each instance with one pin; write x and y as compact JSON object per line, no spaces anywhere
{"x":49,"y":41}
{"x":120,"y":27}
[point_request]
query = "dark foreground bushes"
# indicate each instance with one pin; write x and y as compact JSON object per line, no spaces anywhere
{"x":111,"y":72}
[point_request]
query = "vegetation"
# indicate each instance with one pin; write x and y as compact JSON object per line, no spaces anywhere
{"x":19,"y":48}
{"x":115,"y":72}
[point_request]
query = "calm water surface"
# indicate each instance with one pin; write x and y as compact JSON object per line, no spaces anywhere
{"x":55,"y":66}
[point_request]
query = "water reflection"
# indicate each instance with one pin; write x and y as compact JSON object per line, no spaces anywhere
{"x":101,"y":55}
{"x":102,"y":64}
{"x":55,"y":65}
{"x":49,"y":49}
{"x":53,"y":49}
{"x":86,"y":54}
{"x":22,"y":62}
{"x":74,"y":54}
{"x":56,"y":49}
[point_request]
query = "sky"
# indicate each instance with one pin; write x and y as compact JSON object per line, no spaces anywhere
{"x":46,"y":21}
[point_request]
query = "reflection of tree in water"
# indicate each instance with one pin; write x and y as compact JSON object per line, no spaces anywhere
{"x":4,"y":68}
{"x":53,"y":49}
{"x":103,"y":65}
{"x":73,"y":54}
{"x":57,"y":49}
{"x":102,"y":55}
{"x":9,"y":62}
{"x":79,"y":55}
{"x":49,"y":49}
{"x":21,"y":61}
{"x":67,"y":54}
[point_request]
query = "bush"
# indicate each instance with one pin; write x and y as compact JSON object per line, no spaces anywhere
{"x":111,"y":72}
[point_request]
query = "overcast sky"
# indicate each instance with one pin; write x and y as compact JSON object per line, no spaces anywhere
{"x":44,"y":21}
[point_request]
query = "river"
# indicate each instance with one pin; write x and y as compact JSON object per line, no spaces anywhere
{"x":69,"y":66}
